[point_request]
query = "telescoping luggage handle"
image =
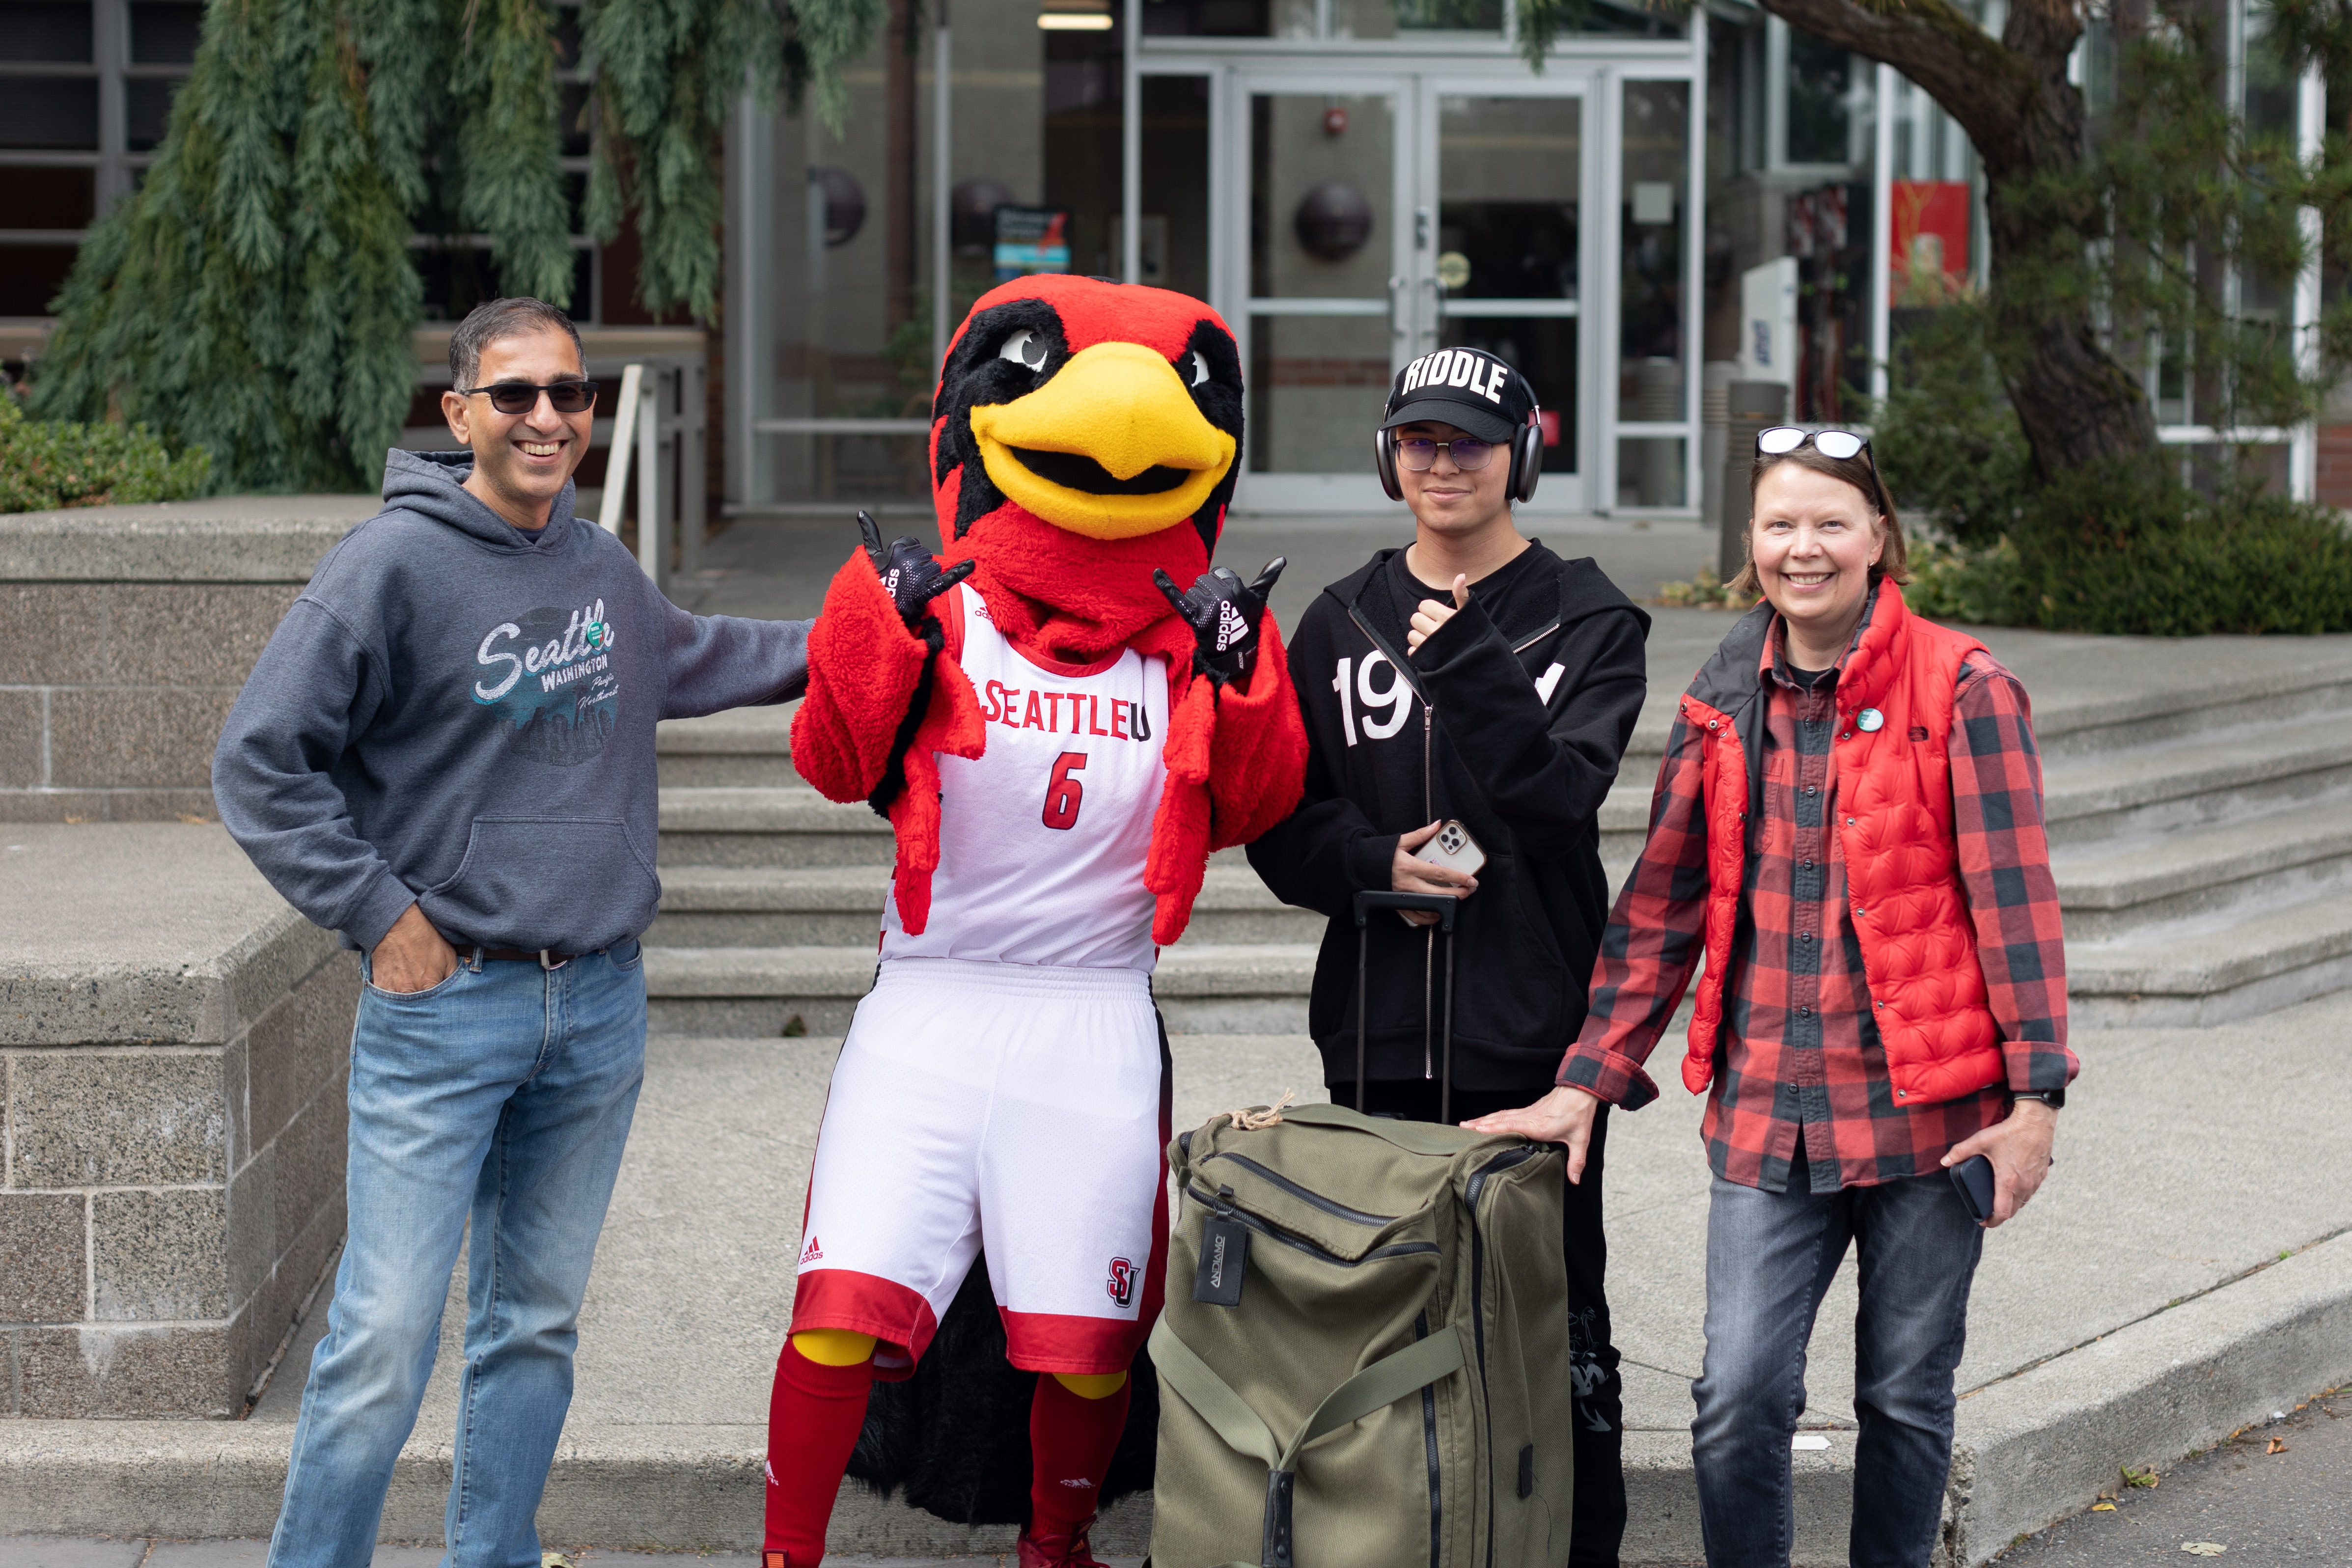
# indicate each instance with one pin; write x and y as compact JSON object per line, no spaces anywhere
{"x":1443,"y":907}
{"x":1241,"y":1429}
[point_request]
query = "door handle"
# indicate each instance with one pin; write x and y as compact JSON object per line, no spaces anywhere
{"x":1397,"y":307}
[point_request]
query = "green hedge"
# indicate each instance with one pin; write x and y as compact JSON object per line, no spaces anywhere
{"x":2123,"y":547}
{"x":47,"y":464}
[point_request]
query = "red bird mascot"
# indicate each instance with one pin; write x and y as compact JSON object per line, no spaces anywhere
{"x":1060,"y":743}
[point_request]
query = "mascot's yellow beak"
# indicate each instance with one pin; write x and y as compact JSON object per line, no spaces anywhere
{"x":1112,"y":448}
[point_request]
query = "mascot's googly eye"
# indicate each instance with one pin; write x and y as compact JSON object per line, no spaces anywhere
{"x":1199,"y":366}
{"x":1027,"y":349}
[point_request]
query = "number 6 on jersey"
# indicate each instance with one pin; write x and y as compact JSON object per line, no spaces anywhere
{"x":1063,"y":792}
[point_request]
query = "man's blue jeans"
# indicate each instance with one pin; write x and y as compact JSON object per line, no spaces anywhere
{"x":1769,"y":1259}
{"x":500,"y":1096}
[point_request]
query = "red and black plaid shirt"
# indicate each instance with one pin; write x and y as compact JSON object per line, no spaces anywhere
{"x":1802,"y":1065}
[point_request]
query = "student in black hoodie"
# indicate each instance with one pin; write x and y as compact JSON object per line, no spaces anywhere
{"x":1472,"y":676}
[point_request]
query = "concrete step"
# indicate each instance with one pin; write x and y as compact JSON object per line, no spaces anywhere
{"x":738,"y":826}
{"x":751,"y":746}
{"x":1211,"y":988}
{"x":797,"y":906}
{"x":2114,"y":889}
{"x":2214,"y":970}
{"x":2210,"y":777}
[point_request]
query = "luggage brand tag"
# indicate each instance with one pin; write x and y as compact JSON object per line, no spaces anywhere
{"x":1225,"y":1257}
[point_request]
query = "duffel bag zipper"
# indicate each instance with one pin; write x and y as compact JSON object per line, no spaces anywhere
{"x":1429,"y":1438}
{"x":1225,"y":1210}
{"x":1501,"y":1162}
{"x":1328,"y":1205}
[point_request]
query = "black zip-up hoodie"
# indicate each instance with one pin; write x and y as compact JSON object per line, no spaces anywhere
{"x":1513,"y":719}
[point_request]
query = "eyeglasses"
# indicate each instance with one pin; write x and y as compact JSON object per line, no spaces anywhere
{"x":1837,"y":445}
{"x":1418,"y":452}
{"x":521,"y":397}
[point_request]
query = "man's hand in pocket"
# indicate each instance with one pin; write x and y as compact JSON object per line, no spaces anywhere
{"x":412,"y":956}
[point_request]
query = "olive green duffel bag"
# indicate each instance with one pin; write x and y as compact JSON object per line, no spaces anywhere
{"x":1363,"y":1360}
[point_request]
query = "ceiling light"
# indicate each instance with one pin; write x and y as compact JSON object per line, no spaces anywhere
{"x":1070,"y":22}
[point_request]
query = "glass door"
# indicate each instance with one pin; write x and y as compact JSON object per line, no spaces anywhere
{"x":1378,"y":219}
{"x":1327,"y":233}
{"x":1506,"y":176}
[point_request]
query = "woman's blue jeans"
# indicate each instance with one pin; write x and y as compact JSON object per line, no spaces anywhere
{"x":500,"y":1097}
{"x":1769,"y":1259}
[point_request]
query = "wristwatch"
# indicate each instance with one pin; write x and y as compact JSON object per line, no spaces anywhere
{"x":2053,"y":1098}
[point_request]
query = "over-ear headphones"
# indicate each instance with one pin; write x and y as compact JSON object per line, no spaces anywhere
{"x":1526,"y":459}
{"x":1526,"y":455}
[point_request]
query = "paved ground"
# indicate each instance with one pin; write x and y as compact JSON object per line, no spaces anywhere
{"x":2274,"y":1495}
{"x":55,"y":1552}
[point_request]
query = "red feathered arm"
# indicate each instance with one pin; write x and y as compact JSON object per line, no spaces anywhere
{"x":1236,"y":763}
{"x":864,"y":669}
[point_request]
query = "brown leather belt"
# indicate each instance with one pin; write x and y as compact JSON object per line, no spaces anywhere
{"x":544,"y":959}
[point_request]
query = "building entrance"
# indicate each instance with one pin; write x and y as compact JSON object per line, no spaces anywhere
{"x":1377,"y":218}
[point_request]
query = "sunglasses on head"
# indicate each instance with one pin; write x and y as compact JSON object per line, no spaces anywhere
{"x":1418,"y":452}
{"x":521,"y":397}
{"x":1838,"y":444}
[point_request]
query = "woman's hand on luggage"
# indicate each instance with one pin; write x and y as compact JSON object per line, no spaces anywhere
{"x":1408,"y":872}
{"x":2018,"y":1148}
{"x":1563,"y":1116}
{"x":412,"y":956}
{"x":1433,"y":613}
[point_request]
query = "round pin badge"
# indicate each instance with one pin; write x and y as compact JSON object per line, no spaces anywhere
{"x":1869,"y":718}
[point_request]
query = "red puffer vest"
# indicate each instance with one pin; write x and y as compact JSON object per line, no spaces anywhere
{"x":1894,"y":804}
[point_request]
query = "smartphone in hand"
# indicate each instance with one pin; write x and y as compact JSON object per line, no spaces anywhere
{"x":1452,"y":847}
{"x":1974,"y":1179}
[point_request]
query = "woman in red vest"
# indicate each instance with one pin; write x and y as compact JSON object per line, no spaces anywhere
{"x":1848,"y":827}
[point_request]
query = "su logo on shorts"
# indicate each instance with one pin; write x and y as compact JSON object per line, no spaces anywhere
{"x":1122,"y":1284}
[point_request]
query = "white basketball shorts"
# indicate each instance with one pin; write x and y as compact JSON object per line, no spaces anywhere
{"x":1010,"y":1105}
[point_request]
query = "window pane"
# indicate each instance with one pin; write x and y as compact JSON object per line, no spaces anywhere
{"x":1654,"y":215}
{"x":1225,"y":18}
{"x":49,"y":199}
{"x":1821,"y":76}
{"x":163,"y":32}
{"x":1508,"y":172}
{"x":146,"y":111}
{"x":1387,"y":18}
{"x":1175,"y":237}
{"x":1321,"y":224}
{"x":30,"y":276}
{"x":48,"y":112}
{"x":1315,"y":387}
{"x":1650,"y":471}
{"x":50,"y":31}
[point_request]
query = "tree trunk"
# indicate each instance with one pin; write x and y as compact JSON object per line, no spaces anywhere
{"x":2076,"y":402}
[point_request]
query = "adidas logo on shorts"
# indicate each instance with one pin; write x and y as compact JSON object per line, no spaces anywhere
{"x":812,"y":1253}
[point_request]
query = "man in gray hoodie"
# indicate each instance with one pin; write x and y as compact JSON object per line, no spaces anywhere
{"x":445,"y":754}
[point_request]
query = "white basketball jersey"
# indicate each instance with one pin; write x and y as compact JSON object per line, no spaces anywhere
{"x":1043,"y":838}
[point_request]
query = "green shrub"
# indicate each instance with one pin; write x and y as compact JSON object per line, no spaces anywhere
{"x":2122,"y":546}
{"x":1945,"y":437}
{"x":2125,"y":546}
{"x":47,"y":464}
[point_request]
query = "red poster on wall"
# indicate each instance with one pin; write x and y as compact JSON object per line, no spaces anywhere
{"x":1928,"y":256}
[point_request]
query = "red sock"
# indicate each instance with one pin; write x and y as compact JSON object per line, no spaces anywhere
{"x":1071,"y":1441}
{"x":814,"y":1415}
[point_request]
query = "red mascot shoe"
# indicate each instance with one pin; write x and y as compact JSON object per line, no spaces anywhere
{"x":1069,"y":1550}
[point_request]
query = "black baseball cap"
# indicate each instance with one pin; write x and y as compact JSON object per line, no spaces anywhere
{"x":1468,"y":388}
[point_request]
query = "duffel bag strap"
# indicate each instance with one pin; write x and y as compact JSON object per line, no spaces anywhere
{"x":1386,"y":1381}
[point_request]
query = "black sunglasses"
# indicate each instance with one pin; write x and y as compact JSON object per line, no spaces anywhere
{"x":521,"y":397}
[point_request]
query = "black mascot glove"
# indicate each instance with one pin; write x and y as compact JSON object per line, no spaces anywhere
{"x":1223,"y":616}
{"x":909,"y":576}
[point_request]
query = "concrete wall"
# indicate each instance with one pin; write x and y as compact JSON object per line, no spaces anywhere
{"x":173,"y":1042}
{"x":127,"y":632}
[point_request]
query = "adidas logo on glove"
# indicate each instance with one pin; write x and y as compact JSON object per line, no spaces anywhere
{"x":1231,"y":627}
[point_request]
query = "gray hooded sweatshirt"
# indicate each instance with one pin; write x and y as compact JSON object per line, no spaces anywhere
{"x":459,"y":714}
